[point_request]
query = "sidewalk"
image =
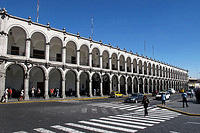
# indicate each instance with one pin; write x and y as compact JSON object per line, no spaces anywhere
{"x":177,"y":106}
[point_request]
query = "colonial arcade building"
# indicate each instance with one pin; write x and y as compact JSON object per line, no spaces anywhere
{"x":36,"y":55}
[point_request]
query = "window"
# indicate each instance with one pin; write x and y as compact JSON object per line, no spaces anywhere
{"x":58,"y":57}
{"x":14,"y":50}
{"x":38,"y":54}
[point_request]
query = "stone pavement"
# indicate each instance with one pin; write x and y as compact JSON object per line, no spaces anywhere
{"x":177,"y":106}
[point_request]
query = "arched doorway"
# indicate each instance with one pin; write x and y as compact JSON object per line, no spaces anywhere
{"x":154,"y":86}
{"x":70,"y":83}
{"x":134,"y":66}
{"x":122,"y":85}
{"x":145,"y":86}
{"x":158,"y":86}
{"x":55,"y":50}
{"x":96,"y":84}
{"x":150,"y":86}
{"x":95,"y":58}
{"x":105,"y":60}
{"x":16,"y":41}
{"x":141,"y":85}
{"x":135,"y":85}
{"x":84,"y":84}
{"x":15,"y":79}
{"x":37,"y":81}
{"x":71,"y":53}
{"x":129,"y":85}
{"x":106,"y":84}
{"x":114,"y":83}
{"x":114,"y":61}
{"x":122,"y":63}
{"x":140,"y":66}
{"x":84,"y":55}
{"x":55,"y":83}
{"x":38,"y":46}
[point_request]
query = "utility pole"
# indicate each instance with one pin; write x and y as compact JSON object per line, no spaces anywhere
{"x":92,"y":27}
{"x":144,"y":47}
{"x":153,"y":51}
{"x":37,"y":11}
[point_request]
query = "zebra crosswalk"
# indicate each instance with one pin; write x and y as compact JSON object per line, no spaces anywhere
{"x":128,"y":122}
{"x":120,"y":106}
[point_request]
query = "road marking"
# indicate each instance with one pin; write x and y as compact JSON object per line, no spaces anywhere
{"x":89,"y":128}
{"x":108,"y":126}
{"x":42,"y":130}
{"x":66,"y":129}
{"x":193,"y":122}
{"x":144,"y":118}
{"x":131,"y":122}
{"x":136,"y":108}
{"x":173,"y":132}
{"x":152,"y":122}
{"x":118,"y":124}
{"x":20,"y":132}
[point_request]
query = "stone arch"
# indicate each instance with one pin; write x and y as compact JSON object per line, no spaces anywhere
{"x":129,"y":85}
{"x":134,"y":66}
{"x":145,"y":68}
{"x":140,"y":66}
{"x":122,"y":63}
{"x":149,"y":68}
{"x":154,"y":87}
{"x":36,"y":80}
{"x":135,"y":85}
{"x":106,"y":84}
{"x":96,"y":80}
{"x":150,"y":86}
{"x":154,"y":70}
{"x":15,"y":79}
{"x":70,"y":83}
{"x":105,"y":59}
{"x":128,"y":61}
{"x":84,"y":55}
{"x":161,"y":71}
{"x":141,"y":89}
{"x":38,"y":45}
{"x":123,"y":85}
{"x":157,"y":70}
{"x":16,"y":41}
{"x":115,"y":83}
{"x":145,"y":86}
{"x":114,"y":61}
{"x":158,"y":85}
{"x":55,"y":49}
{"x":95,"y":57}
{"x":84,"y":83}
{"x":71,"y":52}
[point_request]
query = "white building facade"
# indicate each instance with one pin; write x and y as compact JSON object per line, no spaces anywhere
{"x":36,"y":55}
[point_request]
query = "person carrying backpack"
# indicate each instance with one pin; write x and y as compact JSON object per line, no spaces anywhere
{"x":184,"y":96}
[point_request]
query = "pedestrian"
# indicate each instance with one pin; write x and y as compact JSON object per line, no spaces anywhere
{"x":163,"y":98}
{"x":10,"y":93}
{"x":21,"y":97}
{"x":184,"y":96}
{"x":5,"y":96}
{"x":57,"y":92}
{"x":38,"y":92}
{"x":51,"y":92}
{"x":145,"y":102}
{"x":33,"y":91}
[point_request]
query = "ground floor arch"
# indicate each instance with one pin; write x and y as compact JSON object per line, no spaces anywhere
{"x":70,"y":83}
{"x":36,"y":80}
{"x":106,"y":84}
{"x":122,"y":85}
{"x":135,"y":85}
{"x":141,"y":85}
{"x":145,"y":86}
{"x":150,"y":86}
{"x":14,"y":79}
{"x":129,"y":85}
{"x":84,"y":84}
{"x":96,"y":80}
{"x":115,"y":83}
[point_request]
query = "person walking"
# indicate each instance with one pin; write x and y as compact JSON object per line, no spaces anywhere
{"x":184,"y":96}
{"x":163,"y":97}
{"x":33,"y":91}
{"x":5,"y":96}
{"x":21,"y":97}
{"x":145,"y":102}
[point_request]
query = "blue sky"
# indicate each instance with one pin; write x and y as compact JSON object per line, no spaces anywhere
{"x":172,"y":27}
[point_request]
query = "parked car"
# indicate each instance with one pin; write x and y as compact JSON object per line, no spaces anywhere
{"x":116,"y":94}
{"x":190,"y":93}
{"x":171,"y":90}
{"x":159,"y":95}
{"x":135,"y":98}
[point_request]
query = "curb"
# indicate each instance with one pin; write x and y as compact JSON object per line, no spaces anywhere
{"x":179,"y":111}
{"x":38,"y":101}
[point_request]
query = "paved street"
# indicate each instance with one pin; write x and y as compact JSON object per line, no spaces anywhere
{"x":102,"y":115}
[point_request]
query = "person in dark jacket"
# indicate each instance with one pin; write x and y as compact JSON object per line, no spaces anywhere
{"x":145,"y":102}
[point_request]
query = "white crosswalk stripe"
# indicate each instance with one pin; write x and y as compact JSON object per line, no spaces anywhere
{"x":130,"y":122}
{"x":42,"y":130}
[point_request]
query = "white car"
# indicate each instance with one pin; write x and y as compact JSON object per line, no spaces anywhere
{"x":159,"y":95}
{"x":171,"y":90}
